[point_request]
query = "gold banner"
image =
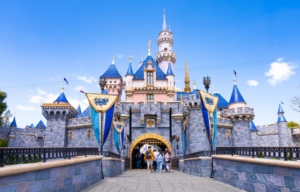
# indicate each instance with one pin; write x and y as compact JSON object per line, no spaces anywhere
{"x":210,"y":101}
{"x":119,"y":126}
{"x":101,"y":102}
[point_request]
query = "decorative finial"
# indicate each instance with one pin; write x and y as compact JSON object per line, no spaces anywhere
{"x":149,"y":50}
{"x":217,"y":91}
{"x":234,"y":82}
{"x":164,"y":27}
{"x":142,"y":57}
{"x":169,"y":27}
{"x":63,"y":89}
{"x":130,"y":58}
{"x":121,"y":72}
{"x":169,"y":58}
{"x":113,"y":61}
{"x":194,"y":85}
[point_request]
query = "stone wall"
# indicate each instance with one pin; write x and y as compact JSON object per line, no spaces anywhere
{"x":200,"y":167}
{"x":111,"y":167}
{"x":26,"y":141}
{"x":257,"y":177}
{"x":75,"y":177}
{"x":4,"y":132}
{"x":80,"y":138}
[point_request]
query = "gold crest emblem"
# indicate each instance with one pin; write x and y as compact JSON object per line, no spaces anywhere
{"x":150,"y":123}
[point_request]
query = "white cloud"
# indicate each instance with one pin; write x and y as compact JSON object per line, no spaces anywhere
{"x":119,"y":56}
{"x":75,"y":102}
{"x":86,"y":79}
{"x":280,"y":71}
{"x":78,"y":88}
{"x":25,"y":108}
{"x":252,"y":83}
{"x":52,"y":78}
{"x":43,"y":97}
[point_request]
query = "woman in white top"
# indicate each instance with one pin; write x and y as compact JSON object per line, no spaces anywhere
{"x":159,"y":159}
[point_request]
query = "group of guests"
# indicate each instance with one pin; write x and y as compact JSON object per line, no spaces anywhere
{"x":155,"y":159}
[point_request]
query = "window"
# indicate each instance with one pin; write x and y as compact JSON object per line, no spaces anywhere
{"x":150,"y":78}
{"x":149,"y":97}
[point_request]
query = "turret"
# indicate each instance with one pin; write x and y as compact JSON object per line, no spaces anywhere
{"x":236,"y":99}
{"x":129,"y":87}
{"x":57,"y":114}
{"x":282,"y":128}
{"x":170,"y":76}
{"x":165,"y":44}
{"x":13,"y":127}
{"x":79,"y":109}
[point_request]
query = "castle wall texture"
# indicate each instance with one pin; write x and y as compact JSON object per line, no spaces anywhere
{"x":111,"y":167}
{"x":25,"y":141}
{"x":283,"y":134}
{"x":256,"y":177}
{"x":221,"y":139}
{"x":74,"y":177}
{"x":241,"y":133}
{"x":200,"y":167}
{"x":4,"y":132}
{"x":80,"y":138}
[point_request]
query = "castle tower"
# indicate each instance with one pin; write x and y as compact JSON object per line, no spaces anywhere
{"x":187,"y":88}
{"x":254,"y":135}
{"x":165,"y":44}
{"x":114,"y":80}
{"x":128,"y":78}
{"x":282,"y":128}
{"x":241,"y":134}
{"x":57,"y":114}
{"x":170,"y":76}
{"x":79,"y":109}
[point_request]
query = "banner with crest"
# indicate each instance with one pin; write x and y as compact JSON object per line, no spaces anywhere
{"x":102,"y":108}
{"x":119,"y":134}
{"x":209,"y":105}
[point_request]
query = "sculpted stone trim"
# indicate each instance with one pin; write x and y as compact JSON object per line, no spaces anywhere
{"x":291,"y":164}
{"x":196,"y":158}
{"x":274,"y":133}
{"x":110,"y":159}
{"x":219,"y":125}
{"x":12,"y":136}
{"x":36,"y":137}
{"x":88,"y":125}
{"x":13,"y":170}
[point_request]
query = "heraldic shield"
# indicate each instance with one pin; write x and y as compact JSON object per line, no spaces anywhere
{"x":102,"y":108}
{"x":209,"y":105}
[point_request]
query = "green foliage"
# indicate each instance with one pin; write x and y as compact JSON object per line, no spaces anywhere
{"x":292,"y":124}
{"x":3,"y":105}
{"x":13,"y":158}
{"x":6,"y":117}
{"x":3,"y":143}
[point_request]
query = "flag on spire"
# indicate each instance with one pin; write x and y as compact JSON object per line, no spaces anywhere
{"x":67,"y":82}
{"x":82,"y":91}
{"x":234,"y":72}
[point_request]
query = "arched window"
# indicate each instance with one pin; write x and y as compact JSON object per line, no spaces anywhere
{"x":165,"y":49}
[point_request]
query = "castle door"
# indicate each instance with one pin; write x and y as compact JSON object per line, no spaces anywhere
{"x":150,"y":139}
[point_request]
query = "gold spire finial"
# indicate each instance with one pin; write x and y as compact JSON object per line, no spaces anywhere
{"x":164,"y":14}
{"x":187,"y":88}
{"x":194,"y":88}
{"x":142,"y":57}
{"x":149,"y":50}
{"x":113,"y":61}
{"x":169,"y":58}
{"x":63,"y":89}
{"x":130,"y":58}
{"x":234,"y":82}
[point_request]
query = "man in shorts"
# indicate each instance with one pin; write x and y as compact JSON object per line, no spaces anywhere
{"x":149,"y":157}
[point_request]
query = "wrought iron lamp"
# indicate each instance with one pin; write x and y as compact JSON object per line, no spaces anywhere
{"x":206,"y":83}
{"x":102,"y":83}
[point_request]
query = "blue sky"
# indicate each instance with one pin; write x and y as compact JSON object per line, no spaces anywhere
{"x":43,"y":41}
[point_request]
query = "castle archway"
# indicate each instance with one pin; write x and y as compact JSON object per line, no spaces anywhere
{"x":148,"y":138}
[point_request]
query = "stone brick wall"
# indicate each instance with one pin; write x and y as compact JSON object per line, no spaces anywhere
{"x":4,"y":132}
{"x":257,"y":177}
{"x":241,"y":133}
{"x":25,"y":141}
{"x":80,"y":139}
{"x":199,"y":167}
{"x":283,"y":129}
{"x":221,"y":139}
{"x":111,"y":167}
{"x":74,"y":177}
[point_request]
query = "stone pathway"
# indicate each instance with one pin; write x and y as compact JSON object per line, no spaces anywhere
{"x":140,"y":181}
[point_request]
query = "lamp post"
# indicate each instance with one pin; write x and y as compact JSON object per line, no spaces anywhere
{"x":206,"y":83}
{"x":102,"y":83}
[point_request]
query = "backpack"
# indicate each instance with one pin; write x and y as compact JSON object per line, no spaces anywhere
{"x":148,"y":154}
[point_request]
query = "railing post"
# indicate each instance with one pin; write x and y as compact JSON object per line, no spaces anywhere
{"x":231,"y":151}
{"x":44,"y":155}
{"x":69,"y":153}
{"x":1,"y":157}
{"x":285,"y":153}
{"x":252,"y":152}
{"x":85,"y":151}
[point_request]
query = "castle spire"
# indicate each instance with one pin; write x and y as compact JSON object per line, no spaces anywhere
{"x":169,"y":71}
{"x":194,"y":88}
{"x":187,"y":88}
{"x":129,"y":71}
{"x":164,"y":27}
{"x":280,"y":112}
{"x":149,"y":49}
{"x":113,"y":60}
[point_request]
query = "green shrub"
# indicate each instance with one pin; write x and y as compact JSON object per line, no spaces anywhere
{"x":3,"y":143}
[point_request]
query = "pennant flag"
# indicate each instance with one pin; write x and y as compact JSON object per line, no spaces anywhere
{"x":102,"y":108}
{"x":81,"y":91}
{"x":282,"y":102}
{"x":185,"y":125}
{"x":67,"y":82}
{"x":234,"y":72}
{"x":209,"y":105}
{"x":119,"y":130}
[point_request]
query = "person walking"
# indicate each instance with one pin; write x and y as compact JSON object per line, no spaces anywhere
{"x":142,"y":161}
{"x":165,"y":152}
{"x":168,"y":159}
{"x":159,"y":160}
{"x":138,"y":161}
{"x":149,"y":157}
{"x":154,"y":161}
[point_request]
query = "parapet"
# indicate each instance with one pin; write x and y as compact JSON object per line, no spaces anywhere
{"x":245,"y":113}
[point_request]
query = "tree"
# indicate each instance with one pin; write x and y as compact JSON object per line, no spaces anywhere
{"x":296,"y":103}
{"x":6,"y":117}
{"x":3,"y":106}
{"x":292,"y":124}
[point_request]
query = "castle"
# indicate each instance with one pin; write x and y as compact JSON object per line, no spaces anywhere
{"x":154,"y":112}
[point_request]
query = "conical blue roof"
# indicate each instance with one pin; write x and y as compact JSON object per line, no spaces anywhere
{"x":14,"y":123}
{"x":139,"y":74}
{"x":195,"y":92}
{"x":169,"y":71}
{"x":40,"y":125}
{"x":79,"y":109}
{"x":105,"y":91}
{"x":281,"y":119}
{"x":280,"y":110}
{"x":222,"y":102}
{"x":236,"y":96}
{"x":31,"y":125}
{"x":112,"y":72}
{"x":85,"y":113}
{"x":253,"y":127}
{"x":62,"y":98}
{"x":129,"y":71}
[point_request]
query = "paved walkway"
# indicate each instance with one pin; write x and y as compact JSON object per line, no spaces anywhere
{"x":140,"y":181}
